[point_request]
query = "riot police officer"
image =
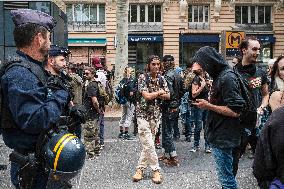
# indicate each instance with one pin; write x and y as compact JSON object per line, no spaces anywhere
{"x":28,"y":108}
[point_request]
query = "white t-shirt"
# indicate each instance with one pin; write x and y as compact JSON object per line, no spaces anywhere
{"x":101,"y":77}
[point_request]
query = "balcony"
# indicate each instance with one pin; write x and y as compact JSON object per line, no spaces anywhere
{"x":85,"y":27}
{"x":145,"y":26}
{"x":254,"y":27}
{"x":198,"y":25}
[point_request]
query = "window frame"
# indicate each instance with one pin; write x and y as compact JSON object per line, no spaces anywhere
{"x":138,"y":13}
{"x":256,"y":14}
{"x":96,"y":5}
{"x":192,"y":16}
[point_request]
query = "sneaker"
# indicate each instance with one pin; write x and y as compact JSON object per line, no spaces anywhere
{"x":127,"y":137}
{"x":121,"y":135}
{"x":172,"y":161}
{"x":157,"y":177}
{"x":138,"y":175}
{"x":162,"y":158}
{"x":158,"y":146}
{"x":194,"y":149}
{"x":208,"y":150}
{"x":102,"y":146}
{"x":98,"y":153}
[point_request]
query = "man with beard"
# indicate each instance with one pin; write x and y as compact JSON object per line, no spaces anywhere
{"x":170,"y":111}
{"x":226,"y":103}
{"x":257,"y":83}
{"x":28,"y":107}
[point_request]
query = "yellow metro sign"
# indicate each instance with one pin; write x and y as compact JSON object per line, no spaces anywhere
{"x":233,"y":39}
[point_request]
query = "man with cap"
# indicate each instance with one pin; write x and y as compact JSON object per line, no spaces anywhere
{"x":28,"y":107}
{"x":170,"y":111}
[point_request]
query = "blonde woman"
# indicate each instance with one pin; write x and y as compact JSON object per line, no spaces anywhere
{"x":129,"y":91}
{"x":152,"y":88}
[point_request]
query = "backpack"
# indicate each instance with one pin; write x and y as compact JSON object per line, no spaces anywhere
{"x":109,"y":90}
{"x":103,"y":93}
{"x":119,"y":92}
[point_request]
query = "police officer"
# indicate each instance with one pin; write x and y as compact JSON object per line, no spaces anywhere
{"x":28,"y":107}
{"x":170,"y":111}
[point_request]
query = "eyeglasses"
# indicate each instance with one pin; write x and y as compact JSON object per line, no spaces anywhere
{"x":87,"y":73}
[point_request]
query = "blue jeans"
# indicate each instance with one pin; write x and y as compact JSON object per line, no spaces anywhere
{"x":168,"y":121}
{"x":197,"y":116}
{"x":224,"y":166}
{"x":102,"y":128}
{"x":187,"y":121}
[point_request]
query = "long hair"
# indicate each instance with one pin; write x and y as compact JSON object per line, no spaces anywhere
{"x":275,"y":69}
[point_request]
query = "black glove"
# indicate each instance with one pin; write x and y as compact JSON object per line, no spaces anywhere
{"x":78,"y":113}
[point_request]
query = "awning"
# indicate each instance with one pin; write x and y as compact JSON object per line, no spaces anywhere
{"x":87,"y":41}
{"x":266,"y":38}
{"x":200,"y":38}
{"x":150,"y":38}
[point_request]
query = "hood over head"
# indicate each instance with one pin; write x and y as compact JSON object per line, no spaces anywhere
{"x":210,"y":60}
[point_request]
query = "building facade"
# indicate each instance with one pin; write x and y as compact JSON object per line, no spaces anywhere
{"x":176,"y":27}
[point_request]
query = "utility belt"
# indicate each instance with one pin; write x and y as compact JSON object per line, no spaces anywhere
{"x":29,"y":166}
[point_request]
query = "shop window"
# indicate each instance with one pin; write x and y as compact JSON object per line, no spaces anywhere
{"x":253,"y":14}
{"x":144,"y":13}
{"x":92,"y":13}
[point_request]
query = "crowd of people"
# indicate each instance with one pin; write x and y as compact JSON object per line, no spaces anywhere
{"x":235,"y":106}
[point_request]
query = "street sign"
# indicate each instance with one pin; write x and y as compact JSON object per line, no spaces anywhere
{"x":233,"y":39}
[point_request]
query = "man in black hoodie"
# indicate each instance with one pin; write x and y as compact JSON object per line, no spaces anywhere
{"x":225,"y":105}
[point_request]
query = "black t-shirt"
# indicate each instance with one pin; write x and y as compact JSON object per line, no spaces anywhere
{"x":91,"y":90}
{"x":255,"y":78}
{"x":204,"y":93}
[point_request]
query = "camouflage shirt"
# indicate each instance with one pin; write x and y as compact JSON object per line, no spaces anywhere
{"x":150,"y":110}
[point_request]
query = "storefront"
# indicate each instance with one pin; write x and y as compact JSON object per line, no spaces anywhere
{"x":140,"y":47}
{"x":84,"y":49}
{"x":189,"y":45}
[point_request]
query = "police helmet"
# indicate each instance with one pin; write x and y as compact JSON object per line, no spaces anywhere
{"x":64,"y":153}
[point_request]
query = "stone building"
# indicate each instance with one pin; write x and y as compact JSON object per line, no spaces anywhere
{"x":177,"y":27}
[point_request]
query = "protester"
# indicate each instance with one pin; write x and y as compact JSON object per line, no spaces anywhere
{"x":152,"y":88}
{"x":257,"y":84}
{"x":268,"y":165}
{"x":129,"y":91}
{"x":199,"y":90}
{"x":91,"y":102}
{"x":225,"y":105}
{"x":170,"y":111}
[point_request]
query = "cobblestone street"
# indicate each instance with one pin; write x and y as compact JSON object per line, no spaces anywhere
{"x":116,"y":165}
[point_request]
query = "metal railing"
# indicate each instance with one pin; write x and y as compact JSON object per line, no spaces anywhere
{"x":145,"y":26}
{"x":85,"y":26}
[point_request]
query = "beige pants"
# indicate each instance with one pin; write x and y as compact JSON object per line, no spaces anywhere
{"x":146,"y":133}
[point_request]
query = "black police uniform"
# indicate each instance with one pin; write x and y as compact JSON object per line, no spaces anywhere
{"x":28,"y":107}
